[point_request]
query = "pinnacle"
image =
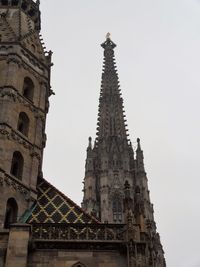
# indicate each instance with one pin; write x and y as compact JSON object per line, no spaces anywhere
{"x":138,"y":144}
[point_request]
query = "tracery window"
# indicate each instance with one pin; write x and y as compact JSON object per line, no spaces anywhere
{"x":11,"y":212}
{"x":117,"y":210}
{"x":17,"y":165}
{"x":23,"y":123}
{"x":28,"y":88}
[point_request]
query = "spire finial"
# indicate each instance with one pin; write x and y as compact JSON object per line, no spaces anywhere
{"x":108,"y":35}
{"x":108,"y":43}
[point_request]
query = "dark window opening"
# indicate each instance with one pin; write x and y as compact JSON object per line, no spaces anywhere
{"x":17,"y":165}
{"x":23,"y":123}
{"x":11,"y":213}
{"x":28,"y":88}
{"x":15,"y":2}
{"x":24,"y":6}
{"x":33,"y":48}
{"x":117,"y":210}
{"x":4,"y":2}
{"x":31,"y":12}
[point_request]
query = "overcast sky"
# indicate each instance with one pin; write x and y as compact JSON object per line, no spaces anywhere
{"x":158,"y":59}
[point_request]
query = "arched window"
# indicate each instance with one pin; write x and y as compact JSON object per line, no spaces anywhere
{"x":17,"y":165}
{"x":117,"y":210}
{"x":23,"y":123}
{"x":28,"y":88}
{"x":11,"y":212}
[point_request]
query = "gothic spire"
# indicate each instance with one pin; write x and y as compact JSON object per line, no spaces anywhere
{"x":111,"y":118}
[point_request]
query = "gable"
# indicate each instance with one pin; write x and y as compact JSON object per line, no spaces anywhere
{"x":7,"y":33}
{"x":52,"y":206}
{"x":32,"y":42}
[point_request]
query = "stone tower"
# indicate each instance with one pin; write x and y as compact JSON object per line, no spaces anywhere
{"x":115,"y":183}
{"x":112,"y":162}
{"x":24,"y":93}
{"x":39,"y":225}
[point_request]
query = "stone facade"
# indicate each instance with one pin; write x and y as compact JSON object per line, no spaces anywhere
{"x":24,"y":92}
{"x":39,"y":225}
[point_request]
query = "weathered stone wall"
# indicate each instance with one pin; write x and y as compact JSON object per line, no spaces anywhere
{"x":62,"y":258}
{"x":19,"y":61}
{"x":11,"y":191}
{"x":17,"y":250}
{"x":4,"y":234}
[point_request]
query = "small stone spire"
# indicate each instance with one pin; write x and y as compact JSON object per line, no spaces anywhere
{"x":139,"y":157}
{"x":89,"y":148}
{"x":138,"y":145}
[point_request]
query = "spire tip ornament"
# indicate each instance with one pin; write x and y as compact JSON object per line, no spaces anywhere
{"x":108,"y":43}
{"x":108,"y":35}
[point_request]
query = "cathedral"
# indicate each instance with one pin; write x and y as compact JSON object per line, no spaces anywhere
{"x":39,"y":225}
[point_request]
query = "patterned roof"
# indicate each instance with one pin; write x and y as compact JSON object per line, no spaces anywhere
{"x":52,"y":206}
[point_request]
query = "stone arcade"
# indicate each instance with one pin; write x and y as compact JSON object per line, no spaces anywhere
{"x":39,"y":225}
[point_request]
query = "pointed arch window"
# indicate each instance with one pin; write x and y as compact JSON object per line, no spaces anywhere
{"x":117,"y":210}
{"x":23,"y":123}
{"x":28,"y":88}
{"x":11,"y":212}
{"x":17,"y":165}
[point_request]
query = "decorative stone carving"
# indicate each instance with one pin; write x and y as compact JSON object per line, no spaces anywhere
{"x":13,"y":94}
{"x":7,"y":180}
{"x":11,"y":134}
{"x":78,"y":232}
{"x":32,"y":60}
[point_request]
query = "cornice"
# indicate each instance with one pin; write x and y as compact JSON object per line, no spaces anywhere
{"x":17,"y":185}
{"x":13,"y":135}
{"x":9,"y":47}
{"x":13,"y":93}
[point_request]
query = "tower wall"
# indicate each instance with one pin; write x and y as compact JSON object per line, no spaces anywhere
{"x":24,"y":93}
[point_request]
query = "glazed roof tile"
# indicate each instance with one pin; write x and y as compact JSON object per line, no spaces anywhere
{"x":52,"y":206}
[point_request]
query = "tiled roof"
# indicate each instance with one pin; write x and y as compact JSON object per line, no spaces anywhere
{"x":52,"y":206}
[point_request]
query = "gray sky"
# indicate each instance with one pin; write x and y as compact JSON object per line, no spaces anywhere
{"x":158,"y":59}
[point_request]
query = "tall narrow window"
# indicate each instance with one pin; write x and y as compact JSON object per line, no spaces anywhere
{"x":11,"y":212}
{"x":23,"y":123}
{"x":17,"y":165}
{"x":117,"y":210}
{"x":28,"y":88}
